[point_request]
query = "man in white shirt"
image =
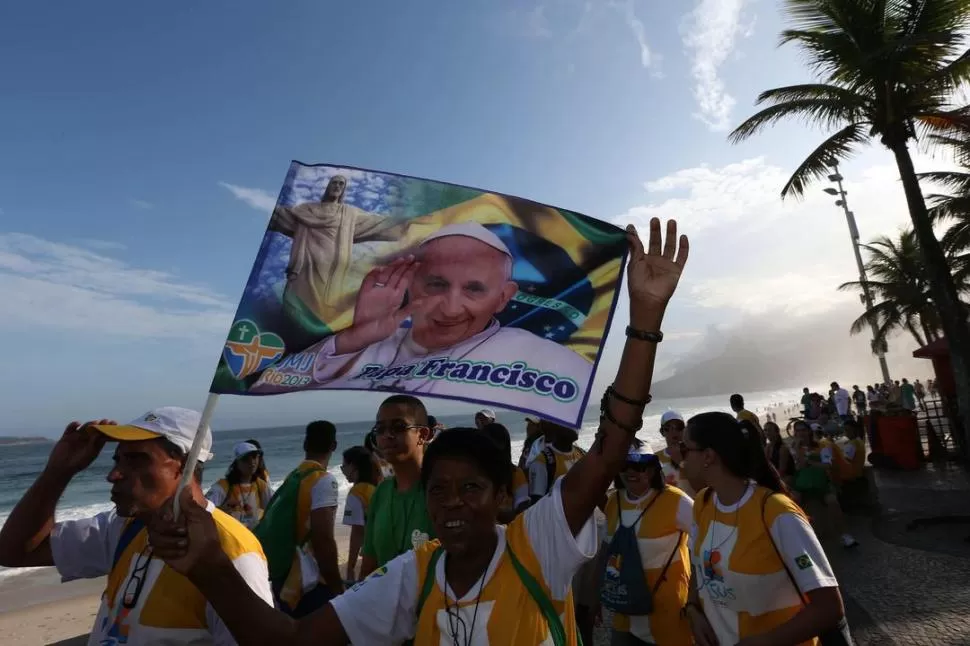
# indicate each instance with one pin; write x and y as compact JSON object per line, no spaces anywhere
{"x":460,"y":279}
{"x":145,"y":601}
{"x":841,"y":397}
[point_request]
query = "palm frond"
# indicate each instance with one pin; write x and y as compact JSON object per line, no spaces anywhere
{"x":819,"y":162}
{"x":827,"y":113}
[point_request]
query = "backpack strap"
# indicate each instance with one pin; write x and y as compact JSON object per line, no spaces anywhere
{"x":556,"y":629}
{"x":131,"y":530}
{"x":764,"y":521}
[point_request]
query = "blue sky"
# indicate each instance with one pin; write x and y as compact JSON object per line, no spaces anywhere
{"x":142,"y":147}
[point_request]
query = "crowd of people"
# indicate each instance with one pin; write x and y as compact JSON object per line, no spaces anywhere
{"x":701,"y":541}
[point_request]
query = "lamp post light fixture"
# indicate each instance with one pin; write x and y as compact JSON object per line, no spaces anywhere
{"x":879,"y":347}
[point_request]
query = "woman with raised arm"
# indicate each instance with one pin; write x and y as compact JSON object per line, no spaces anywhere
{"x":509,"y":585}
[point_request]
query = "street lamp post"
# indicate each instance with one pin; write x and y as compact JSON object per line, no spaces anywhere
{"x":880,"y":347}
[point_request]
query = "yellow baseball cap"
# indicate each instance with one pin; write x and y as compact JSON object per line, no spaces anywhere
{"x":177,"y":425}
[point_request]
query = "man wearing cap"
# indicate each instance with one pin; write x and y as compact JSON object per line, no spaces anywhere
{"x":145,"y":602}
{"x":671,"y":459}
{"x":484,"y":417}
{"x":459,"y":279}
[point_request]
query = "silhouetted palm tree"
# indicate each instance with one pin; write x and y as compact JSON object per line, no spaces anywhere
{"x":887,"y":67}
{"x":900,"y":291}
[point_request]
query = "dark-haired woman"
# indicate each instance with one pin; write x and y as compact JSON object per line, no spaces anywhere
{"x":778,"y":453}
{"x":242,"y":493}
{"x":362,"y":470}
{"x":760,"y":576}
{"x":661,"y":516}
{"x":261,"y":471}
{"x":370,"y":443}
{"x":478,"y":582}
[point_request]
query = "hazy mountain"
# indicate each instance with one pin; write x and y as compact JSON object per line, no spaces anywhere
{"x":764,"y":354}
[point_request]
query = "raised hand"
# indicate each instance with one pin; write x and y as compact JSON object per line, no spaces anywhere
{"x":190,"y":544}
{"x":77,"y":448}
{"x":378,"y":312}
{"x":652,"y":275}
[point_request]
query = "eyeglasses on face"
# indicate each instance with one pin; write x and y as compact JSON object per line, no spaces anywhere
{"x":394,"y":427}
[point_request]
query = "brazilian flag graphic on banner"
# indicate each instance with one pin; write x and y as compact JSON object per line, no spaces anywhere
{"x":372,"y":281}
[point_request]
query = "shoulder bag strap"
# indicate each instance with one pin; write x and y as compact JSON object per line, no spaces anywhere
{"x":129,"y":533}
{"x":556,"y":629}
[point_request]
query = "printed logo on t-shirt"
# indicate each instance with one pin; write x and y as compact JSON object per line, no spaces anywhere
{"x":419,"y":538}
{"x":376,"y":574}
{"x":804,"y":562}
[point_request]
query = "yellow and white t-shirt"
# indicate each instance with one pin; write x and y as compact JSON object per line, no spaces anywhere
{"x":245,"y":502}
{"x":317,"y":491}
{"x":382,"y":608}
{"x":674,"y":473}
{"x":538,"y":471}
{"x":357,"y":503}
{"x":145,"y":601}
{"x":743,"y":587}
{"x":520,"y":487}
{"x":661,"y":532}
{"x":854,"y":463}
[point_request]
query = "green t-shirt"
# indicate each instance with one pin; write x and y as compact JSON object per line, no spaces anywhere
{"x":397,"y":521}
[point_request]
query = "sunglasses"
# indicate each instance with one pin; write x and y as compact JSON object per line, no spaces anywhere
{"x":395,"y":427}
{"x":639,"y":467}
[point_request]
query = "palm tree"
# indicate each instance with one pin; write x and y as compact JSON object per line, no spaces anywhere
{"x":953,"y":207}
{"x":886,"y":68}
{"x":897,"y":281}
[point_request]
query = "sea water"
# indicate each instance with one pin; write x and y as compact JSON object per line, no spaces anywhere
{"x":88,"y":493}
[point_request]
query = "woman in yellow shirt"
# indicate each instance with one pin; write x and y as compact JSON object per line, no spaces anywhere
{"x":479,"y":582}
{"x":760,"y":577}
{"x":242,"y":493}
{"x":363,"y":471}
{"x":661,"y":517}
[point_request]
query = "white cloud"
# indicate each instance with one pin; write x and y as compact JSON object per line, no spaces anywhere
{"x":754,"y":254}
{"x":56,"y":285}
{"x":710,"y":33}
{"x":254,"y":197}
{"x":101,"y":245}
{"x":649,"y":59}
{"x":536,"y":24}
{"x":141,"y":204}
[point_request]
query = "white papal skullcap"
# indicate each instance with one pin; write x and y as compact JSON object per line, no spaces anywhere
{"x":470,"y":230}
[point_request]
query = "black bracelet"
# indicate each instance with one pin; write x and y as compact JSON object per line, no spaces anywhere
{"x":641,"y":335}
{"x":606,"y":415}
{"x":626,"y":400}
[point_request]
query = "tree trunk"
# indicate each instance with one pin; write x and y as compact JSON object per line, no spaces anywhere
{"x":912,"y":330}
{"x":956,"y":328}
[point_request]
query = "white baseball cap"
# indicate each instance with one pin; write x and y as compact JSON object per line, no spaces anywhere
{"x":470,"y":230}
{"x":244,"y":448}
{"x":487,"y":413}
{"x":177,"y":425}
{"x":670,"y":416}
{"x":642,"y":453}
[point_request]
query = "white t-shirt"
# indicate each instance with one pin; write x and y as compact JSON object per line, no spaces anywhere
{"x":354,"y":514}
{"x":381,"y":608}
{"x":84,"y":549}
{"x":842,"y":401}
{"x":323,"y":494}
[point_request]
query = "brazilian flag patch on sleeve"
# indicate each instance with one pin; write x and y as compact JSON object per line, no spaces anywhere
{"x":804,"y":562}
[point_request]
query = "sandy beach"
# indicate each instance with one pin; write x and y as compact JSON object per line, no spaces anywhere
{"x":37,"y":609}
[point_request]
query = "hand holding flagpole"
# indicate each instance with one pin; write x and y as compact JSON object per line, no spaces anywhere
{"x":193,"y":457}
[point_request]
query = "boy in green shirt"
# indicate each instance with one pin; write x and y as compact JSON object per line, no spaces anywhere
{"x":397,"y":519}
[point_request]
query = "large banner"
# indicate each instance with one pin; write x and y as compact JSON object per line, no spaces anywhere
{"x":372,"y":281}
